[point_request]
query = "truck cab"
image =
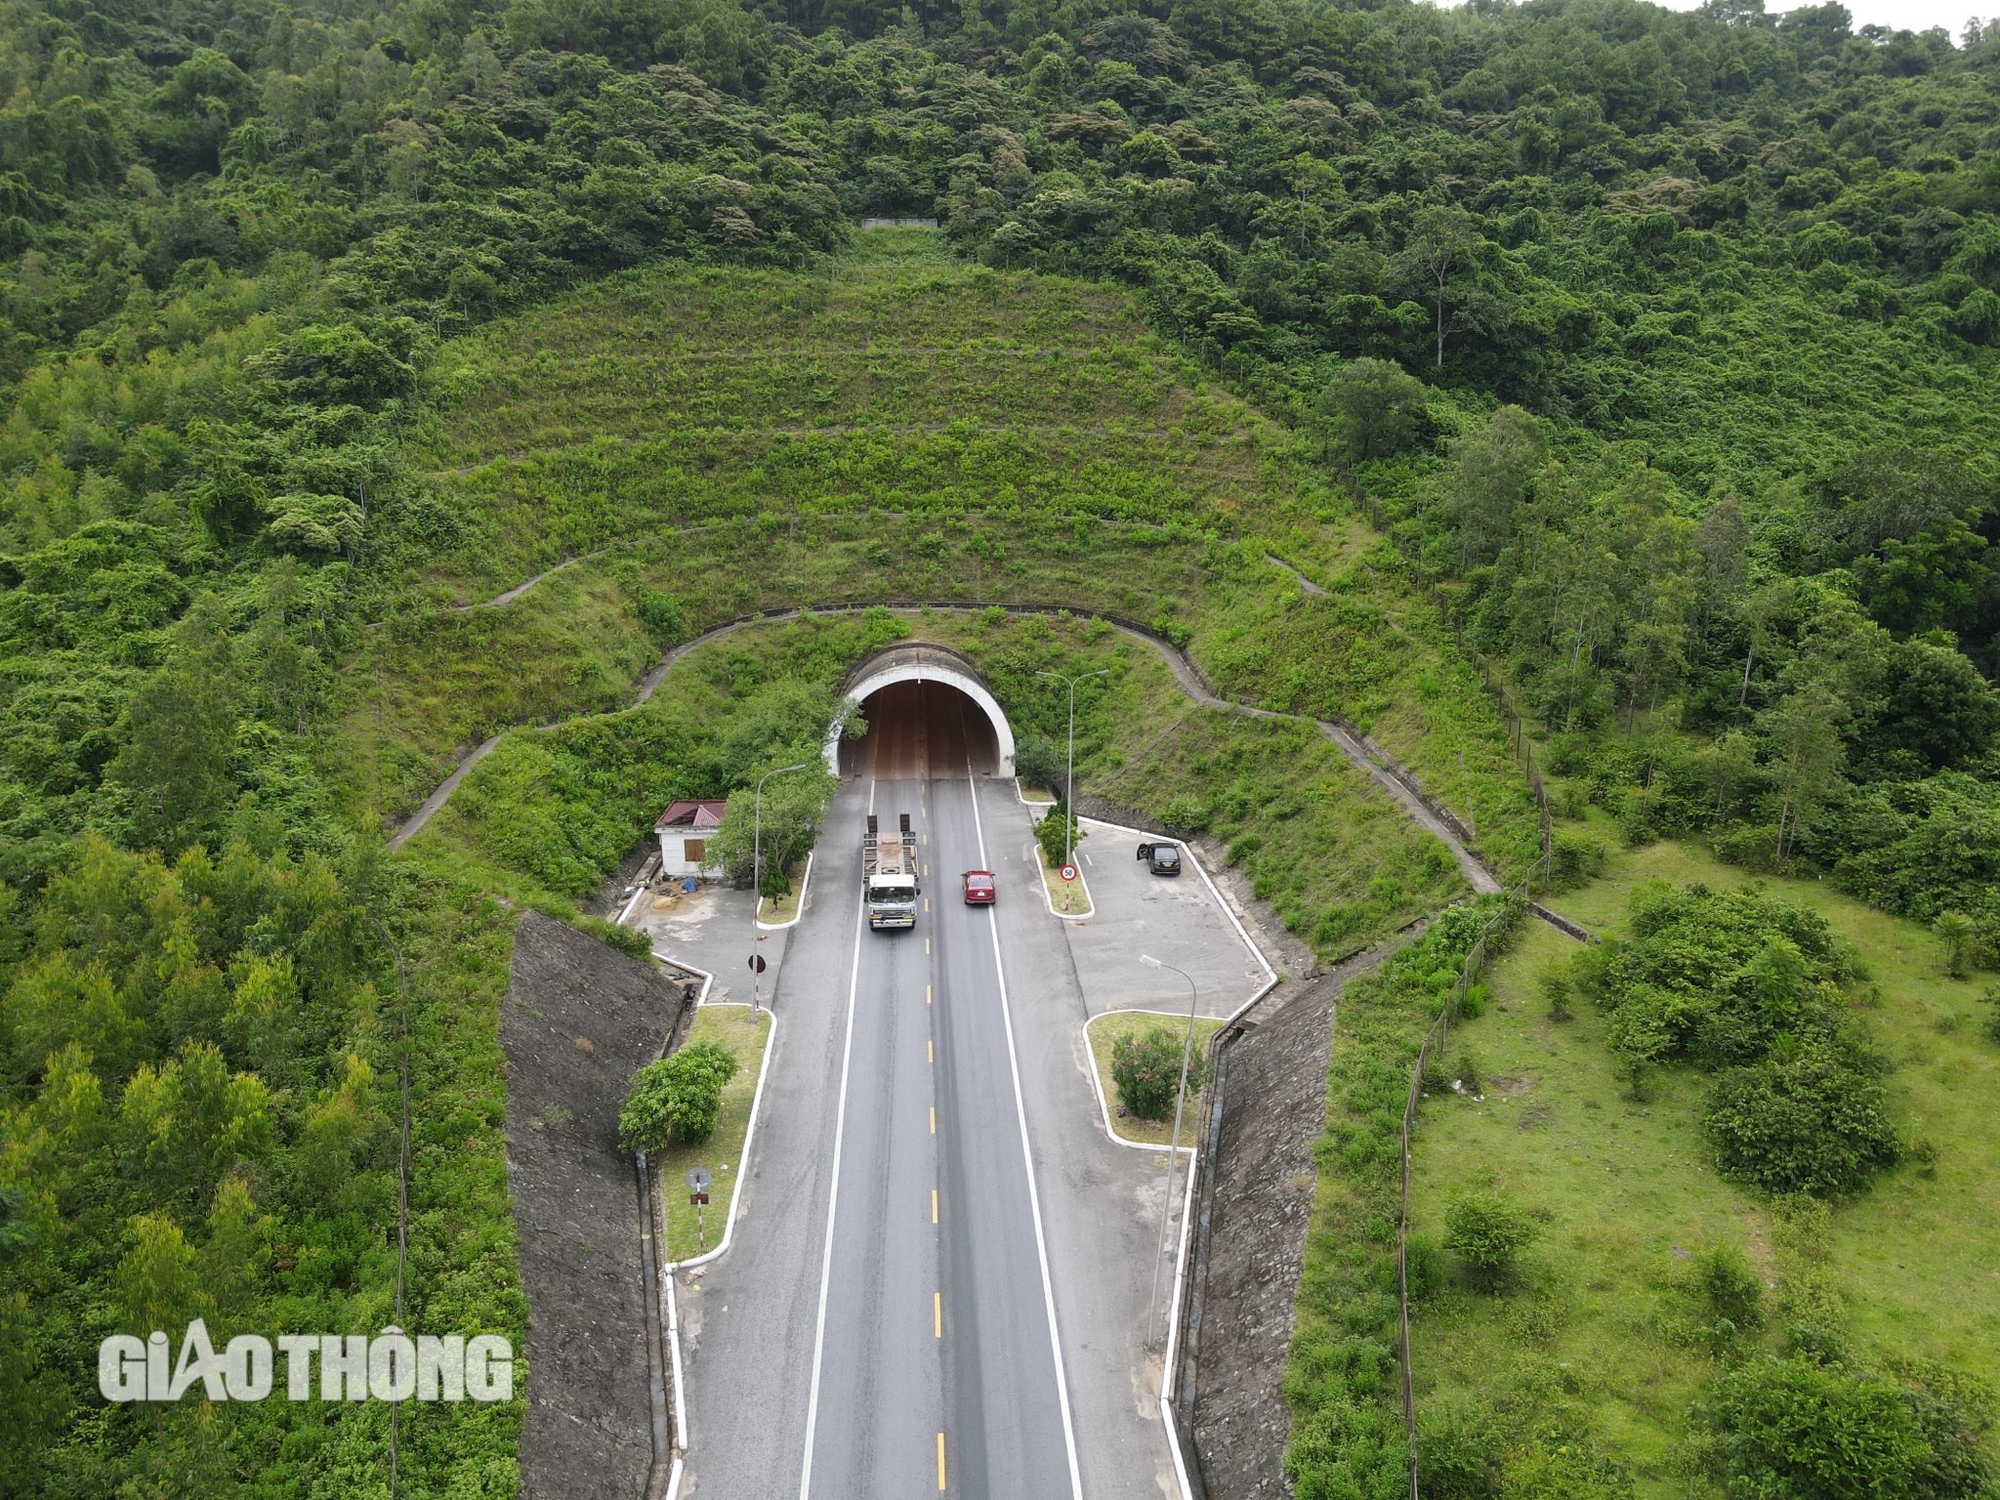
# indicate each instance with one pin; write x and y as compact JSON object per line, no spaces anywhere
{"x":889,"y":874}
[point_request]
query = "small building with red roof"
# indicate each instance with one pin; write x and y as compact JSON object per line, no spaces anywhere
{"x":684,"y":830}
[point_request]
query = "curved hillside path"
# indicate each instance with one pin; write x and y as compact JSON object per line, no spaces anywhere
{"x":1378,"y":766}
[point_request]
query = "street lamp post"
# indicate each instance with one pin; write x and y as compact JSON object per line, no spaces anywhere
{"x":1174,"y":1144}
{"x":1069,"y":773}
{"x":757,"y":878}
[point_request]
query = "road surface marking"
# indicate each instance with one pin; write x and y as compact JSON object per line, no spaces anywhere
{"x":930,"y":1050}
{"x":1028,"y":1161}
{"x":927,"y":994}
{"x":934,"y":1205}
{"x":940,"y":1460}
{"x":927,"y":945}
{"x":933,"y":1119}
{"x":927,"y":903}
{"x":937,"y":1315}
{"x":833,"y":1196}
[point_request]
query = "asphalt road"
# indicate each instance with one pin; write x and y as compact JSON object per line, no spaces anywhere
{"x":863,"y":1338}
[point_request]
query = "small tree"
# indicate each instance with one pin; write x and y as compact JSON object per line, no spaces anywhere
{"x":676,"y":1098}
{"x":1488,"y":1233}
{"x":1376,"y":408}
{"x":1051,"y":831}
{"x":1146,"y":1067}
{"x":1038,"y":763}
{"x":1957,"y":932}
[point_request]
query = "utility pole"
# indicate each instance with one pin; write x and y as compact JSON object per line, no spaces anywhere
{"x":757,"y":879}
{"x":1174,"y":1144}
{"x":1069,"y":774}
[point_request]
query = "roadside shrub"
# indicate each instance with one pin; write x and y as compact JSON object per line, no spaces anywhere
{"x":1556,"y":991}
{"x":1146,"y":1066}
{"x":1049,"y":834}
{"x":1185,"y":815}
{"x":1806,"y":1122}
{"x":676,"y":1099}
{"x":1038,"y":763}
{"x":1488,"y":1233}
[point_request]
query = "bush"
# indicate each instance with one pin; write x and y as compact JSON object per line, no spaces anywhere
{"x":1575,"y":858}
{"x":1807,"y":1122}
{"x":676,"y":1098}
{"x":1488,"y":1233}
{"x":627,"y":940}
{"x":1460,"y":1455}
{"x":1724,"y":1283}
{"x":1185,"y":815}
{"x":1049,"y":834}
{"x":1791,"y":1428}
{"x":1038,"y":763}
{"x":1146,"y":1066}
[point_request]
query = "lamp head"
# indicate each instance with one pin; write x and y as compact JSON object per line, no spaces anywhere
{"x":1149,"y":961}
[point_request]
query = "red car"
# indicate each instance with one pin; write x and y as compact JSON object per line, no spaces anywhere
{"x":978,"y":887}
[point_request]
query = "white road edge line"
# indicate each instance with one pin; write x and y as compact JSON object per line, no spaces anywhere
{"x":1027,"y":1161}
{"x":1169,"y":1371}
{"x":805,"y":885}
{"x":833,"y":1192}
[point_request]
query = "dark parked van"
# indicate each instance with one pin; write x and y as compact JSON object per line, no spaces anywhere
{"x":1164,"y":859}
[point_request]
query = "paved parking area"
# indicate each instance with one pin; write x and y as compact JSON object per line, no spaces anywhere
{"x":1176,"y":919}
{"x":711,"y":930}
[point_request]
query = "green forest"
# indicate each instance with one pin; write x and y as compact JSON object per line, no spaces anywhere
{"x":1660,"y":350}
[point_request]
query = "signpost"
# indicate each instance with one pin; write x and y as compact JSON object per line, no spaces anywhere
{"x":698,"y":1180}
{"x":757,"y":967}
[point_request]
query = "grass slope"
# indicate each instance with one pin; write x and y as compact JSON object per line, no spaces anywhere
{"x":1586,"y":1345}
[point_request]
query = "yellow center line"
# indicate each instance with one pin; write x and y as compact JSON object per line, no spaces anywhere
{"x":934,"y":1205}
{"x":933,"y":1119}
{"x":927,"y":945}
{"x":940,"y":1460}
{"x":937,"y":1315}
{"x":930,"y":1050}
{"x":927,"y":903}
{"x":927,"y":994}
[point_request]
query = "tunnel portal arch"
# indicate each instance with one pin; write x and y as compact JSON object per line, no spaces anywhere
{"x":920,"y":662}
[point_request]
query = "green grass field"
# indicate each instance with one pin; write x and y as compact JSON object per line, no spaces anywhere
{"x":1592,"y":1341}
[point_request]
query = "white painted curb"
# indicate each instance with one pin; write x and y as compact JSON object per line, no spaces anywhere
{"x":743,"y":1162}
{"x":805,"y":885}
{"x":1097,"y":1086}
{"x":1043,"y":872}
{"x":1228,"y":911}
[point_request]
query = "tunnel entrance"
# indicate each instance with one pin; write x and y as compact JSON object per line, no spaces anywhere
{"x":921,"y":729}
{"x":928,"y":714}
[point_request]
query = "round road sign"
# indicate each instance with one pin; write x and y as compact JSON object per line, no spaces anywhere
{"x":757,"y":964}
{"x":1069,"y":872}
{"x":698,"y":1179}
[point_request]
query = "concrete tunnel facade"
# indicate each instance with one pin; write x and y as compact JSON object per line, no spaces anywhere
{"x":924,"y":663}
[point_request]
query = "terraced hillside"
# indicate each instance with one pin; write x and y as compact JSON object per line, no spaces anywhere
{"x":686,"y":446}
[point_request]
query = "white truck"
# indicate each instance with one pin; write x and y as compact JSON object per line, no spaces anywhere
{"x":889,"y":874}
